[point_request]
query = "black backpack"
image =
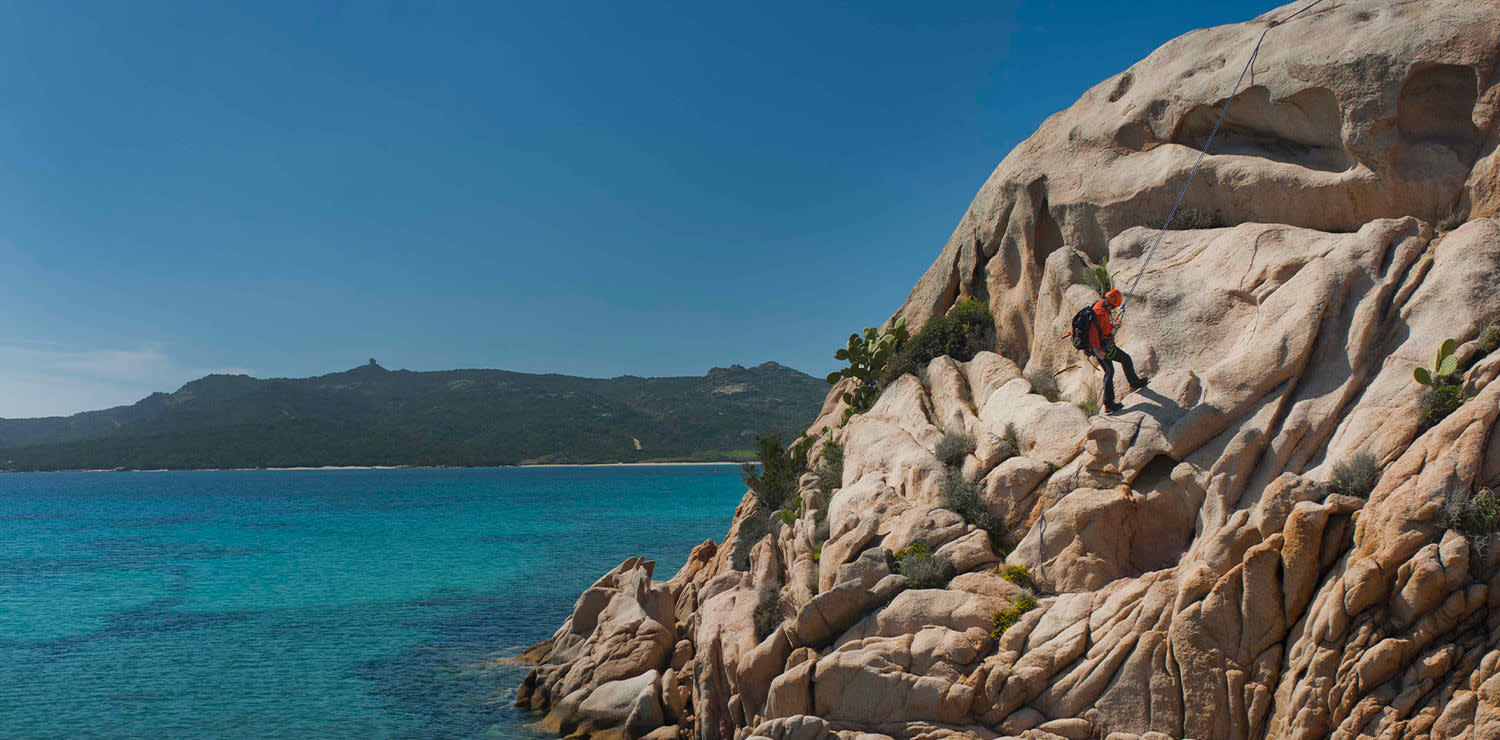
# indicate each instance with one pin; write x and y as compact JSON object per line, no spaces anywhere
{"x":1082,"y":322}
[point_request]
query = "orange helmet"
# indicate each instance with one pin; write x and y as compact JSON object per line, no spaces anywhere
{"x":1114,"y":297}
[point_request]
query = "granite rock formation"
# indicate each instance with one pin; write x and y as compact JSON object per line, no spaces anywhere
{"x":1196,"y":574}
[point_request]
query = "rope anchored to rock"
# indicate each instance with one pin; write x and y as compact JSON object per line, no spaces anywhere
{"x":1208,"y":144}
{"x":1151,"y":252}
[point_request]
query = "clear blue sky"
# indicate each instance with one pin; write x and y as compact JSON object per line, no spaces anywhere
{"x":594,"y":188}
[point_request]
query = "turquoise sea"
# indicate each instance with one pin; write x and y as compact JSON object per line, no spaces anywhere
{"x":312,"y":604}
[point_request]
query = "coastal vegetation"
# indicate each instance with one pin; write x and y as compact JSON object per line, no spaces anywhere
{"x":773,"y":477}
{"x":868,"y":356}
{"x":374,"y":416}
{"x":877,"y":358}
{"x":923,"y":568}
{"x":1356,"y":477}
{"x":1443,"y":391}
{"x":964,"y":331}
{"x":1004,"y":619}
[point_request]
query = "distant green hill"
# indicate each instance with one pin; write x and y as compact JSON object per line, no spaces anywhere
{"x":373,"y":416}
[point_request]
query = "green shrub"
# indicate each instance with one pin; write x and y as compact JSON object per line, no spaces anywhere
{"x":1019,"y":575}
{"x":923,"y":569}
{"x":1012,"y":436}
{"x":869,"y":357}
{"x":775,"y":480}
{"x":1442,"y":368}
{"x":1438,"y":401}
{"x":830,"y":468}
{"x":1193,"y":218}
{"x":1489,"y":340}
{"x":962,"y":498}
{"x":1356,"y":477}
{"x":1044,"y":385}
{"x":753,"y":529}
{"x":792,"y":512}
{"x":1006,"y":618}
{"x":1089,"y":407}
{"x":1100,"y":276}
{"x":767,"y":611}
{"x":1475,"y":514}
{"x":953,"y":448}
{"x":967,"y":329}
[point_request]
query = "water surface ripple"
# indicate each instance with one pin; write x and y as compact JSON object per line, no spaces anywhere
{"x":312,"y":604}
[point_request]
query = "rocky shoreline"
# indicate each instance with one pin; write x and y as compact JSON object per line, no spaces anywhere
{"x":1194,"y":568}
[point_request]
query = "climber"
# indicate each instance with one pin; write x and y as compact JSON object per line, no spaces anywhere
{"x":1101,"y":344}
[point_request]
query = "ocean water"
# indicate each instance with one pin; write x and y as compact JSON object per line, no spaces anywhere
{"x":312,"y":604}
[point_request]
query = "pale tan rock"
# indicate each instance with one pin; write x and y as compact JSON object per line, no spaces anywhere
{"x":669,"y":732}
{"x":913,"y":610}
{"x":791,"y":692}
{"x":1049,"y":432}
{"x":800,"y":727}
{"x":631,"y":704}
{"x":1010,"y":489}
{"x":948,"y":390}
{"x":870,"y":684}
{"x":1071,"y":728}
{"x":1197,"y":579}
{"x":1021,"y":720}
{"x":971,"y":551}
{"x":831,"y":612}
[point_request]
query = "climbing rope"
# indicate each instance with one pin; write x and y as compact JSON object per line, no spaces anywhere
{"x":1150,"y":253}
{"x":1204,"y":153}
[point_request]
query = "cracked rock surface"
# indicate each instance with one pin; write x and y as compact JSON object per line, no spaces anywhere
{"x":1195,"y":576}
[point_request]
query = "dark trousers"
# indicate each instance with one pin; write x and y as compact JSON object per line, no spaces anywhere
{"x":1108,"y":357}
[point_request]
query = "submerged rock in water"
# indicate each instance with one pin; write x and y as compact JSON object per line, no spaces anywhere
{"x":1181,"y":569}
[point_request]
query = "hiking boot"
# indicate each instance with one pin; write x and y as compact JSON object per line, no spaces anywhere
{"x":1111,"y":408}
{"x":1139,"y":384}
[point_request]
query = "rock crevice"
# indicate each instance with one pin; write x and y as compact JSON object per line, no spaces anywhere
{"x":1195,"y":574}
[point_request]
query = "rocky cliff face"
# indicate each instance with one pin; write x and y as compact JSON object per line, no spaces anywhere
{"x":1195,"y":575}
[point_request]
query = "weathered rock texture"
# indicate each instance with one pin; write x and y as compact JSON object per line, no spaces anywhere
{"x":1197,"y":578}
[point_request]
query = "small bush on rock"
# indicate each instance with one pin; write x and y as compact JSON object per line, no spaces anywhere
{"x":792,"y":512}
{"x":775,"y":480}
{"x":830,"y":468}
{"x":1437,"y":403}
{"x":870,"y":358}
{"x":1006,"y":618}
{"x":1443,"y":392}
{"x":953,"y":448}
{"x":1356,"y":477}
{"x":1188,"y":219}
{"x":1019,"y":575}
{"x":962,"y":498}
{"x":1100,"y":276}
{"x":767,"y":611}
{"x":1474,"y":514}
{"x":967,"y":329}
{"x":1044,"y":385}
{"x":1489,"y":341}
{"x":922,"y":568}
{"x":1012,"y":437}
